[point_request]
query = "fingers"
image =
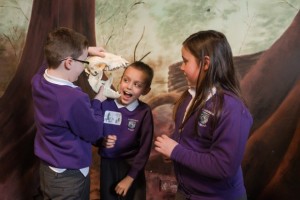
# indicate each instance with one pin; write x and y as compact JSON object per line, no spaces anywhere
{"x":160,"y":140}
{"x":165,"y":136}
{"x":109,"y":141}
{"x":112,"y":137}
{"x":124,"y":185}
{"x":100,"y":95}
{"x":121,"y":191}
{"x":164,"y":145}
{"x":158,"y":145}
{"x":109,"y":146}
{"x":96,"y":51}
{"x":157,"y":149}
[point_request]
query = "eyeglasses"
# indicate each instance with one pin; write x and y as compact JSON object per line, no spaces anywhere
{"x":82,"y":61}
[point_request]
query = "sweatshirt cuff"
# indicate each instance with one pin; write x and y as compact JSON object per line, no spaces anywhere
{"x":133,"y":173}
{"x":96,"y":105}
{"x":176,"y":152}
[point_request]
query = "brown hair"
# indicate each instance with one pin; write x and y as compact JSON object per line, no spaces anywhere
{"x":139,"y":65}
{"x":63,"y":42}
{"x":221,"y":73}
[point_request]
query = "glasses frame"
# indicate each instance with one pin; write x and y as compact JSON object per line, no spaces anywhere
{"x":82,"y":61}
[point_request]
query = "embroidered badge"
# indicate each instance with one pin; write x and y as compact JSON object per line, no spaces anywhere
{"x":111,"y":117}
{"x":131,"y":124}
{"x":204,"y":116}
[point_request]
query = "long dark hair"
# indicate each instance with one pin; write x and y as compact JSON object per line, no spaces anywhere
{"x":221,"y":73}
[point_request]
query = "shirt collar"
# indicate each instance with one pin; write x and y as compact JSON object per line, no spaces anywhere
{"x":57,"y":81}
{"x":192,"y":92}
{"x":212,"y":92}
{"x":130,"y":107}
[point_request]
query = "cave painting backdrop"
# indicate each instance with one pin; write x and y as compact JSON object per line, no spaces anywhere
{"x":265,"y":38}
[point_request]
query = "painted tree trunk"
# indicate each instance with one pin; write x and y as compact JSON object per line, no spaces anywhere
{"x":19,"y":166}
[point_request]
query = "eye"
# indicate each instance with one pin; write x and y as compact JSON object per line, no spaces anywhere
{"x":138,"y":85}
{"x":125,"y":80}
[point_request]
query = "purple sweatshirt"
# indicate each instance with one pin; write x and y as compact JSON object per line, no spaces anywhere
{"x":208,"y":166}
{"x":66,"y":123}
{"x":134,"y":131}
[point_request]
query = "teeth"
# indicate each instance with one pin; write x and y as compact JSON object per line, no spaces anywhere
{"x":95,"y":82}
{"x":109,"y":63}
{"x":108,"y":92}
{"x":95,"y":72}
{"x":128,"y":94}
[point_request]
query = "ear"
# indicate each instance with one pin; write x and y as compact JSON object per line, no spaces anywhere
{"x":206,"y":62}
{"x":146,"y":90}
{"x":67,"y":63}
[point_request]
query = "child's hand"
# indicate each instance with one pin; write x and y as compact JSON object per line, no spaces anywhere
{"x":123,"y":186}
{"x":100,"y":96}
{"x":109,"y":141}
{"x":96,"y":51}
{"x":165,"y":145}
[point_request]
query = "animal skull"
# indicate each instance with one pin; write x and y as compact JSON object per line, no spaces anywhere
{"x":95,"y":72}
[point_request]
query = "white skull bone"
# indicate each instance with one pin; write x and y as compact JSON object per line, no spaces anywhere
{"x":95,"y":72}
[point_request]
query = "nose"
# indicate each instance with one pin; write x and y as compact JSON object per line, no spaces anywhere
{"x":129,"y":85}
{"x":182,"y":66}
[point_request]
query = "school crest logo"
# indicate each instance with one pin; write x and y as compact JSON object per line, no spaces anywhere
{"x":131,"y":124}
{"x":204,"y":117}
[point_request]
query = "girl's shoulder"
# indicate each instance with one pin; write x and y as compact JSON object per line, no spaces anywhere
{"x":233,"y":103}
{"x":231,"y":100}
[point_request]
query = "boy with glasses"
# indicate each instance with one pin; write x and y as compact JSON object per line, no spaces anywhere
{"x":67,"y":121}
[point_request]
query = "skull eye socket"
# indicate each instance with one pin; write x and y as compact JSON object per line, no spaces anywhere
{"x":88,"y":71}
{"x":95,"y":73}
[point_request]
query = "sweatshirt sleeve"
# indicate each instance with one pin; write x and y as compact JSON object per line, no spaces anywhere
{"x":142,"y":156}
{"x":225,"y":154}
{"x":86,"y":119}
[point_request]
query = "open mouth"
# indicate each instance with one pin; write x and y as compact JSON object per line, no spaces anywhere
{"x":126,"y":94}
